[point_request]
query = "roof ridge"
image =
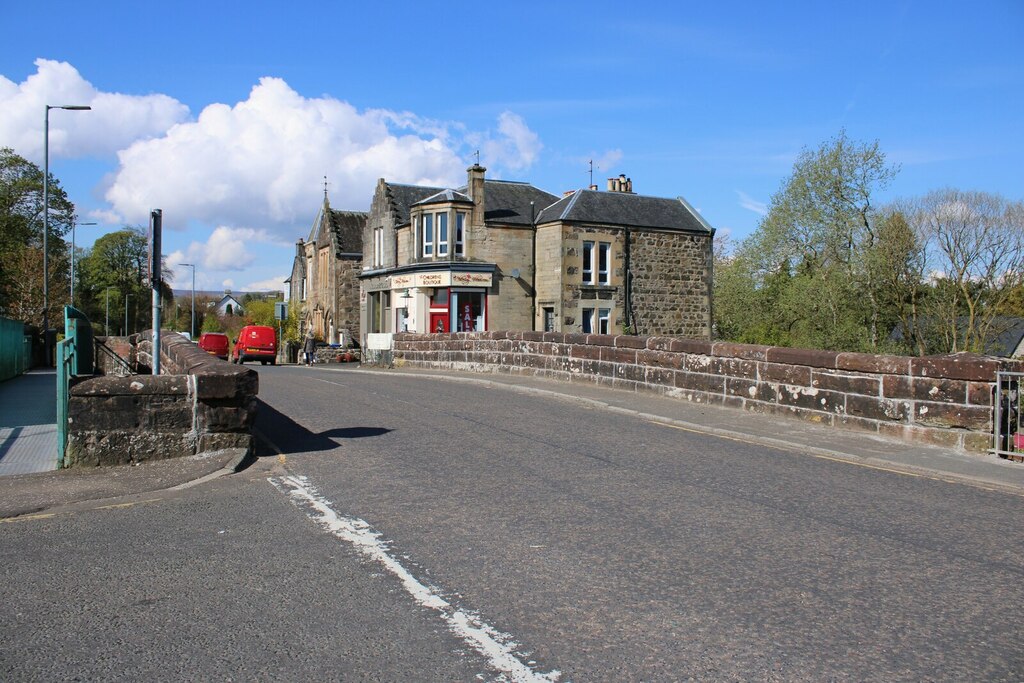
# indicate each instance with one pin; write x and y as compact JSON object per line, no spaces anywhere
{"x":568,"y":207}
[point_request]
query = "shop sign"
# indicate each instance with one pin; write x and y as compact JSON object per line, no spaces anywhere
{"x":442,"y":279}
{"x":472,"y":279}
{"x":402,"y":281}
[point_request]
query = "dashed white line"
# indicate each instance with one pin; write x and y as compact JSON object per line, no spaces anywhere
{"x":497,"y":647}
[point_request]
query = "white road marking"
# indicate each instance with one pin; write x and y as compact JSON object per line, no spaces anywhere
{"x":497,"y":647}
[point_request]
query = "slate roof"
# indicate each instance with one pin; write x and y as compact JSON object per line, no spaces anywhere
{"x":1009,"y":335}
{"x":626,"y":209}
{"x":508,"y":202}
{"x":1006,"y":336}
{"x":347,"y":227}
{"x":404,"y":196}
{"x":443,"y":197}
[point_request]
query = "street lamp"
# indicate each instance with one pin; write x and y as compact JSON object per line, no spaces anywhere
{"x":73,"y":259}
{"x":46,"y":218}
{"x":193,"y":328}
{"x":106,"y":324}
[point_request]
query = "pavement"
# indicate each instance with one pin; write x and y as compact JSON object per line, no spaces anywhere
{"x":30,"y":482}
{"x":28,"y":440}
{"x":28,"y":423}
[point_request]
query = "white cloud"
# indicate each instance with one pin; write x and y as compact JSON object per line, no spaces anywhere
{"x":116,"y":120}
{"x":254,"y":168}
{"x":262,"y":161}
{"x":751,"y":204}
{"x":515,"y":147}
{"x":226,"y":250}
{"x":271,"y":284}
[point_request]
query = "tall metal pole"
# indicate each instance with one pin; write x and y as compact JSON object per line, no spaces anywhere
{"x":126,"y":315}
{"x":46,"y":220}
{"x":73,"y":259}
{"x":46,"y":234}
{"x":156,"y":229}
{"x":106,"y":323}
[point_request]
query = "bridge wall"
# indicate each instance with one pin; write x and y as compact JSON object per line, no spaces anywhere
{"x":201,"y":405}
{"x":943,"y":400}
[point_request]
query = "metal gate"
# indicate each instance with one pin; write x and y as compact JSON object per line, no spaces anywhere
{"x":1009,"y":437}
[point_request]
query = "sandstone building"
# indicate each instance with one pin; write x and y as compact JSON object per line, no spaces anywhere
{"x":500,"y":255}
{"x":324,"y":279}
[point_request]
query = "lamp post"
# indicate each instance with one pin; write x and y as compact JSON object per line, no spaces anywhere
{"x":46,"y":218}
{"x":73,"y":259}
{"x":106,"y":324}
{"x":192,"y":329}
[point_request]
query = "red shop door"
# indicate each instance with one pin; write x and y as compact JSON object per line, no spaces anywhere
{"x":439,"y":322}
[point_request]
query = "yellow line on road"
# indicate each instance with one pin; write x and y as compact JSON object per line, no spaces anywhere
{"x":125,"y":505}
{"x":26,"y":518}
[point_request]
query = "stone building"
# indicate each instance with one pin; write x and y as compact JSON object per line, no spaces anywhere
{"x":616,"y":261}
{"x":325,"y":276}
{"x":500,"y":255}
{"x":440,"y":259}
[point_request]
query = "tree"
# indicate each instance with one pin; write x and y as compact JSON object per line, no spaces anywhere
{"x":808,"y":259}
{"x":21,"y":240}
{"x":897,"y":262}
{"x":976,"y":253}
{"x":119,"y":261}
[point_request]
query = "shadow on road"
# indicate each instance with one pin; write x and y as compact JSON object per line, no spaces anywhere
{"x":291,"y":437}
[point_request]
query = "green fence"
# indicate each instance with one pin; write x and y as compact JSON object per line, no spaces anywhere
{"x":15,"y":349}
{"x":74,"y":359}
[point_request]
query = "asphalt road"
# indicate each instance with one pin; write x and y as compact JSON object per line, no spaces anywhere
{"x":518,"y":537}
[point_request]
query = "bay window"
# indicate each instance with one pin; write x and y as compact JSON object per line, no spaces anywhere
{"x":460,"y":227}
{"x":428,"y":234}
{"x":442,"y":234}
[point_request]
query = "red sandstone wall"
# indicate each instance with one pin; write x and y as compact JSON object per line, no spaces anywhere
{"x":944,"y":400}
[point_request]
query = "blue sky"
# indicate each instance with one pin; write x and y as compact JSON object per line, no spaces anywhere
{"x":228,"y":115}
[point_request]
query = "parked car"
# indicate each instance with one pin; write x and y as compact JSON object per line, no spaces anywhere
{"x":215,"y":343}
{"x":255,"y":342}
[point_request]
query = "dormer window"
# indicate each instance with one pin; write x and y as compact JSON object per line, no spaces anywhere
{"x":434,"y":236}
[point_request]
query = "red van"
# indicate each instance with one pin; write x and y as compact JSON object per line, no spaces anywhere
{"x":215,"y":343}
{"x":255,"y":342}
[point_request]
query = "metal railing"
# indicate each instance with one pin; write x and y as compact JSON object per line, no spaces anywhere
{"x":74,"y":358}
{"x":1009,"y":437}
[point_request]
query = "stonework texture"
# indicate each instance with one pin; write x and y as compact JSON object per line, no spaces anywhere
{"x":671,"y":283}
{"x":200,"y":404}
{"x":941,"y":400}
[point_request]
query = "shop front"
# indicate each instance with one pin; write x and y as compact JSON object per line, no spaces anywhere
{"x":440,"y":301}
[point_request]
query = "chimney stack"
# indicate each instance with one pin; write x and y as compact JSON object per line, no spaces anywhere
{"x":620,"y":184}
{"x":475,"y":190}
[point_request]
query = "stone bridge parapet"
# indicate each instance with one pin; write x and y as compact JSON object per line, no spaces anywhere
{"x":200,"y":405}
{"x":944,"y":400}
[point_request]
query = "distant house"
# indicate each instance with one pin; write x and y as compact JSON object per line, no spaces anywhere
{"x":324,"y":279}
{"x":1007,"y":339}
{"x":1003,"y":339}
{"x":228,"y":305}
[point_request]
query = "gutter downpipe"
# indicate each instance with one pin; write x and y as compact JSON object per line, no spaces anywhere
{"x":628,"y":285}
{"x":533,"y":270}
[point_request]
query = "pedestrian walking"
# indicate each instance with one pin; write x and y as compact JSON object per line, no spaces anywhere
{"x":309,"y":348}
